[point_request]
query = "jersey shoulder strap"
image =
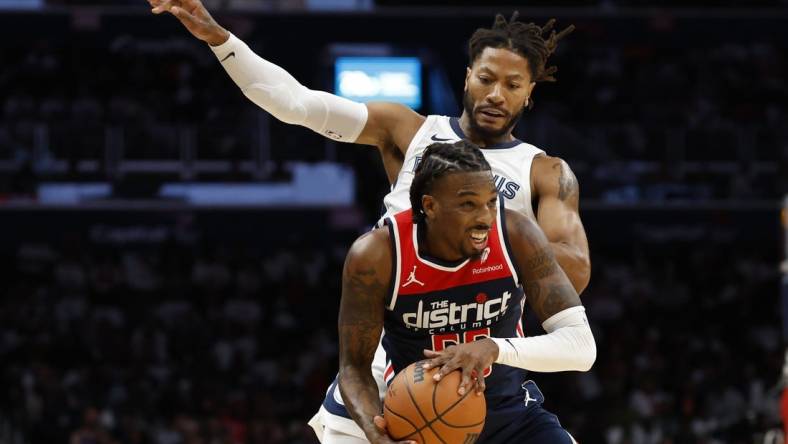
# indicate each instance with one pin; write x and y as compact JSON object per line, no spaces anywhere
{"x":400,"y":228}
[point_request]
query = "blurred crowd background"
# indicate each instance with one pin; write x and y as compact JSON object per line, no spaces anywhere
{"x":131,"y":319}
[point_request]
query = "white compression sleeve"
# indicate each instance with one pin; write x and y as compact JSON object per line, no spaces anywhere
{"x":568,"y":345}
{"x":276,"y":91}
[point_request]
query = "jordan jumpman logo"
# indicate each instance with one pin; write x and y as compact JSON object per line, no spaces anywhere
{"x":528,"y":397}
{"x":412,"y":278}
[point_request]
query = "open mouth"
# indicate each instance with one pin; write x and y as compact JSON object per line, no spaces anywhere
{"x":479,"y":238}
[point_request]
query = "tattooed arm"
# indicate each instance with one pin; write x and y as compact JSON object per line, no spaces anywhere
{"x":365,"y":281}
{"x":557,"y":196}
{"x":547,"y":288}
{"x":569,"y":343}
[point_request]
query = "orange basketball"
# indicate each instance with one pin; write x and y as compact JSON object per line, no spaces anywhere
{"x":419,"y":409}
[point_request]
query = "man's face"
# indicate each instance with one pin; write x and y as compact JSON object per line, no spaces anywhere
{"x":461,"y":208}
{"x":497,"y":87}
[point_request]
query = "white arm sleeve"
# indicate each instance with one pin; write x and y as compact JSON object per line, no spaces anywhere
{"x":568,"y":345}
{"x":276,"y":91}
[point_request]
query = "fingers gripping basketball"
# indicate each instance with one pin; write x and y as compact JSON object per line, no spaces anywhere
{"x":417,"y":408}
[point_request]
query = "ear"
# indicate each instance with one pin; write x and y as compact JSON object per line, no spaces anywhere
{"x":531,"y":87}
{"x":467,"y":76}
{"x":429,"y":204}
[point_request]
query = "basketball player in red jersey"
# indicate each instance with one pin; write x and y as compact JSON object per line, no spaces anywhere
{"x":451,"y":270}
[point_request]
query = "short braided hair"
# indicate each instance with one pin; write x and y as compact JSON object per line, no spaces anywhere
{"x":439,"y":160}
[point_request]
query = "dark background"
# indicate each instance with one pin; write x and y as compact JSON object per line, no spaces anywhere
{"x":132,"y":319}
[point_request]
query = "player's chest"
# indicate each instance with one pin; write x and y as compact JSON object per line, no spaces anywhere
{"x":481,"y":303}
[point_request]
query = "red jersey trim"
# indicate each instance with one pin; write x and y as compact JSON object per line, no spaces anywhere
{"x":418,"y":275}
{"x":504,"y":240}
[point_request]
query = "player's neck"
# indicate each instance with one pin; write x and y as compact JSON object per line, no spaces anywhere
{"x":432,"y":244}
{"x":480,"y":139}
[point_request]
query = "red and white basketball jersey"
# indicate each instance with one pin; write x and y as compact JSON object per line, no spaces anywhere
{"x":434,"y":304}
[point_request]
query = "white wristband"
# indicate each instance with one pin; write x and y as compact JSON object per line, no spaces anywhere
{"x":568,"y":345}
{"x":276,"y":91}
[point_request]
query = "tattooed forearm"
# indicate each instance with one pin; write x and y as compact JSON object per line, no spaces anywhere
{"x":542,"y":264}
{"x":532,"y":290}
{"x":360,"y":394}
{"x":360,"y":289}
{"x":547,"y":299}
{"x":567,"y":182}
{"x":559,"y":297}
{"x":361,"y":313}
{"x":360,"y":325}
{"x":547,"y":289}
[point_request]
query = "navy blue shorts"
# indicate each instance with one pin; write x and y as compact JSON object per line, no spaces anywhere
{"x":518,"y":421}
{"x":524,"y":421}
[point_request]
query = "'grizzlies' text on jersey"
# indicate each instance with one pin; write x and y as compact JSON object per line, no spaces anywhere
{"x":510,"y":162}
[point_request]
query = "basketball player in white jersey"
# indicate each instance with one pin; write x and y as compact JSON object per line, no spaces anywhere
{"x":506,"y":62}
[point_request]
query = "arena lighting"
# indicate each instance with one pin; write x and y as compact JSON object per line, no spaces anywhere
{"x":21,"y":4}
{"x":391,"y":79}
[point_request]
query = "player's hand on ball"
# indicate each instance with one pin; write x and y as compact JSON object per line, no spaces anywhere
{"x":473,"y":358}
{"x":193,"y":15}
{"x":380,"y":423}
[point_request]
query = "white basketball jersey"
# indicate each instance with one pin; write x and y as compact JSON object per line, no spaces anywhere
{"x":510,"y":163}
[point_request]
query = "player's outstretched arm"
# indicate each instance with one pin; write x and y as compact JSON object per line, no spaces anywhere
{"x":559,"y":217}
{"x":365,"y":282}
{"x":279,"y":93}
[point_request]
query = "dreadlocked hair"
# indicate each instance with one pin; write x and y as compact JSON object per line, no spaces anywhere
{"x":439,"y":160}
{"x":526,"y":39}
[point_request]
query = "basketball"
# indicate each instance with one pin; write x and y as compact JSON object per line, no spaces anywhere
{"x":419,"y":409}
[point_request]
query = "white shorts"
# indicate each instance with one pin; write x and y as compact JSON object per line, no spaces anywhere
{"x":326,"y":424}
